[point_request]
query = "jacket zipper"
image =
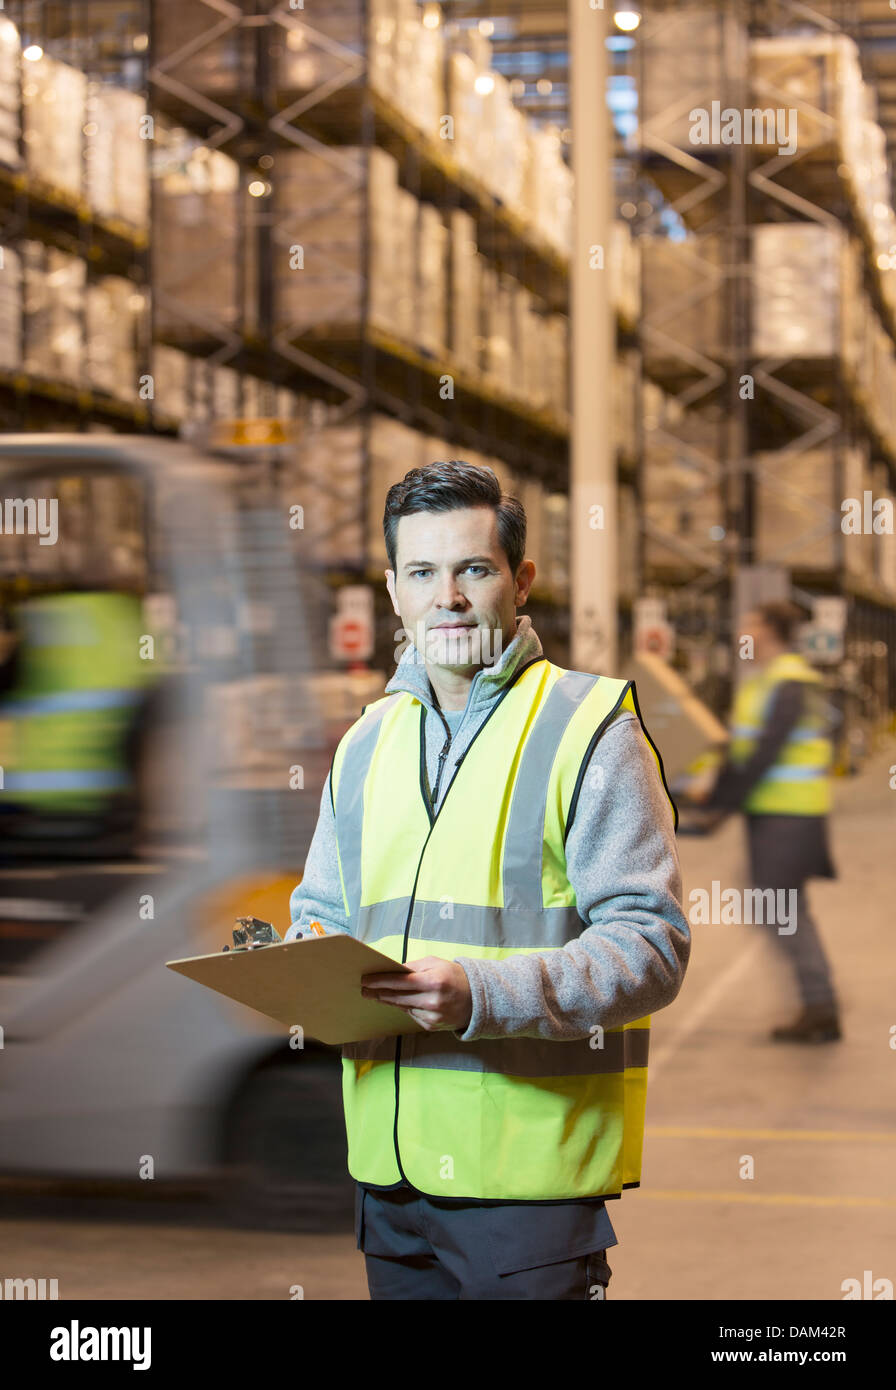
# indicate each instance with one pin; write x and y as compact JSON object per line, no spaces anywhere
{"x":442,"y":756}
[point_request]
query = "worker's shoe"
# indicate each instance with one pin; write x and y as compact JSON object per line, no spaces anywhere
{"x":818,"y":1023}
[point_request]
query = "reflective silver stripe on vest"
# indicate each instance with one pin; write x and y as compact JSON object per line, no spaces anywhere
{"x":469,"y":924}
{"x":794,"y":772}
{"x":752,"y":731}
{"x":523,"y":843}
{"x":349,"y":803}
{"x":66,"y":780}
{"x":511,"y":1056}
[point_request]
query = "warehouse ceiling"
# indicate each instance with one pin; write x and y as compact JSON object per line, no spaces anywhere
{"x":530,"y":41}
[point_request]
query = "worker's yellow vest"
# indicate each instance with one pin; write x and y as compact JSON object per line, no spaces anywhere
{"x":799,"y":783}
{"x":511,"y":1119}
{"x":65,"y":723}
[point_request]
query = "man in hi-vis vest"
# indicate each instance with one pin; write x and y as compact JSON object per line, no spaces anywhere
{"x":778,"y":773}
{"x":502,"y":824}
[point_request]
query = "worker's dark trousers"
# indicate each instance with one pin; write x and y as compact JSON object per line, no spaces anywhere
{"x":418,"y":1248}
{"x":804,"y":951}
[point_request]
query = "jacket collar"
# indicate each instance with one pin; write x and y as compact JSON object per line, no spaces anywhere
{"x":411,"y":674}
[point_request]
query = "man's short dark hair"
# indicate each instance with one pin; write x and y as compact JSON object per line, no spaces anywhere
{"x":449,"y":487}
{"x":783,"y":617}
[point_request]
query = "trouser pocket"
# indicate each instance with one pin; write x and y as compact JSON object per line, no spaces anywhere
{"x":597,"y":1275}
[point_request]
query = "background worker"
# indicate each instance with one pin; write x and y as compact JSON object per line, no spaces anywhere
{"x":70,"y":711}
{"x":502,"y":825}
{"x":778,"y":772}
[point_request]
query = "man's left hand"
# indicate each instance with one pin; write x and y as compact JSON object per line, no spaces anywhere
{"x":436,"y":993}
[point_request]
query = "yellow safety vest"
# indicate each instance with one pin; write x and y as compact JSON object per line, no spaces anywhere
{"x":79,"y":683}
{"x":799,"y":783}
{"x":510,"y":1119}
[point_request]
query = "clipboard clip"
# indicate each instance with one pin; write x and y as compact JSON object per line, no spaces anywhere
{"x":251,"y":932}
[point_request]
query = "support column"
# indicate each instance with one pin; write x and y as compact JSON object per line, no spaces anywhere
{"x":593,"y":517}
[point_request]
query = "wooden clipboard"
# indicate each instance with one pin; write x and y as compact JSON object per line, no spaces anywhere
{"x":314,"y":982}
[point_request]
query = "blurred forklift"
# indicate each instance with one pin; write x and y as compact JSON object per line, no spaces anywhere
{"x":163,"y":756}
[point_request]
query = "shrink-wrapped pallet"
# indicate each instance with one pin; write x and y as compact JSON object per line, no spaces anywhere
{"x":54,"y":288}
{"x":464,"y":291}
{"x":113,"y":305}
{"x":10,"y":104}
{"x":53,"y":96}
{"x":796,"y":289}
{"x":684,"y":68}
{"x":195,"y":238}
{"x":430,"y":305}
{"x":11,"y":305}
{"x":115,"y":154}
{"x":798,"y":509}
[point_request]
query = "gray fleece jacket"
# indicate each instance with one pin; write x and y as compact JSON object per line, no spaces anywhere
{"x":622,"y":862}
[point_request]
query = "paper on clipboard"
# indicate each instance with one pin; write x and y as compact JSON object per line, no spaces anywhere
{"x":314,"y":982}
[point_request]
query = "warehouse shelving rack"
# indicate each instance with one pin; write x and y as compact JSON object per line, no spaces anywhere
{"x":355,"y":369}
{"x":721,"y":193}
{"x":32,"y":208}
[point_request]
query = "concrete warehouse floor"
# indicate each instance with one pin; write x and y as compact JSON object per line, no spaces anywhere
{"x":818,"y":1122}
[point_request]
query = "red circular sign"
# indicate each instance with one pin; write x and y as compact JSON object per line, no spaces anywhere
{"x":351,"y":635}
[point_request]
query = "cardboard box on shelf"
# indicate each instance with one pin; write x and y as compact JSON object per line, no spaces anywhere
{"x":170,"y":380}
{"x":804,"y":72}
{"x":10,"y":127}
{"x":115,"y":155}
{"x":885,"y":545}
{"x":54,"y":287}
{"x":464,"y":290}
{"x":419,"y":89}
{"x":547,"y":188}
{"x":11,"y":308}
{"x":111,"y":317}
{"x":555,"y":548}
{"x":328,"y":488}
{"x":532,"y":494}
{"x":684,"y":68}
{"x":224,"y":393}
{"x":530,"y":379}
{"x":53,"y":96}
{"x":195,"y":233}
{"x":797,"y":509}
{"x":430,"y":318}
{"x":796,"y":289}
{"x":627,"y":542}
{"x":466,"y":105}
{"x":682,"y":496}
{"x":858,"y":548}
{"x":626,"y":377}
{"x":556,"y":364}
{"x":625,"y":271}
{"x":498,"y":332}
{"x":395,"y":448}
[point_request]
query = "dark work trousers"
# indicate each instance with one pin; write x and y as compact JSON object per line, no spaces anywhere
{"x":784,"y":852}
{"x":803,"y":950}
{"x":418,"y":1247}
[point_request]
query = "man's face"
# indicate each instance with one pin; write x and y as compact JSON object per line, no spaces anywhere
{"x":453,"y":589}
